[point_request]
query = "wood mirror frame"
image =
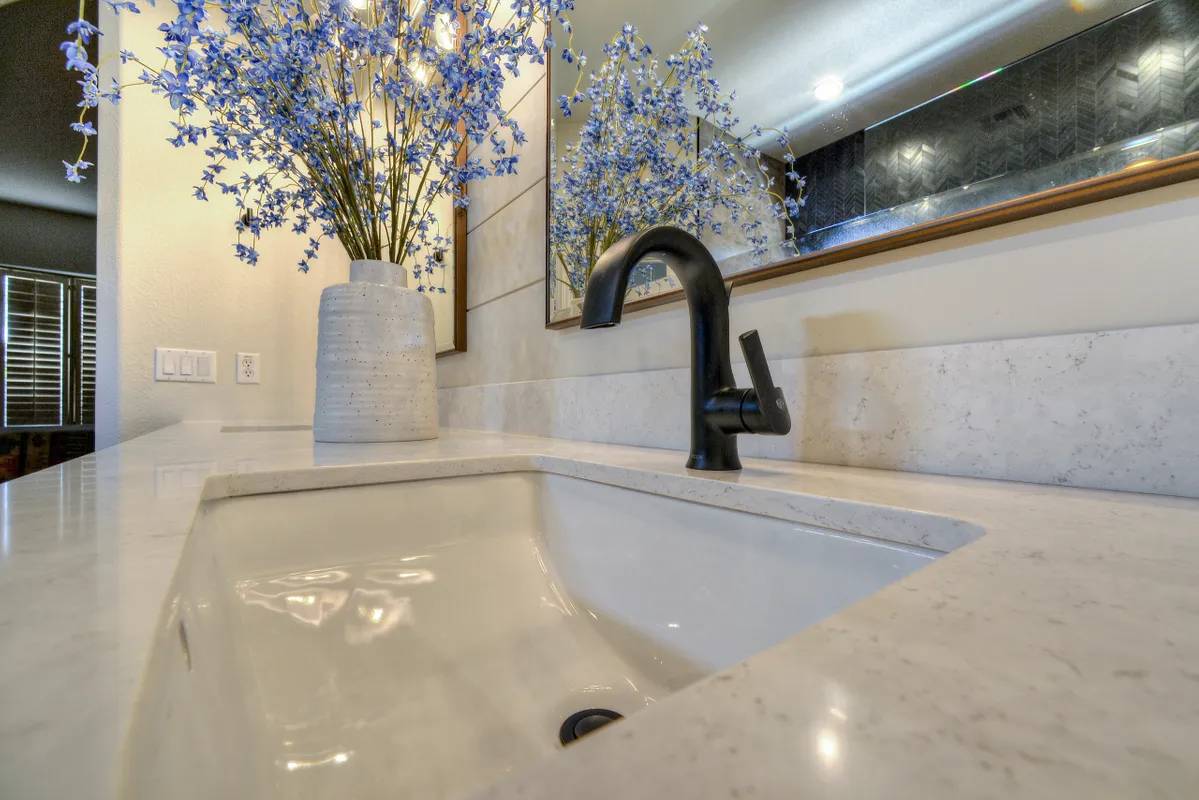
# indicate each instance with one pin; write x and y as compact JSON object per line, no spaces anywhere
{"x":460,"y":233}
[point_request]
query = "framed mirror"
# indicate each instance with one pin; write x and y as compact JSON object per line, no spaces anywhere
{"x":449,"y":292}
{"x":789,"y":135}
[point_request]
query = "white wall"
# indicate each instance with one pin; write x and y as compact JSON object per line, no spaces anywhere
{"x":1126,"y":263}
{"x":167,"y":276}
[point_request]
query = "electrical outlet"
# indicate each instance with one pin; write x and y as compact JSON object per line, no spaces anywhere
{"x":247,"y":368}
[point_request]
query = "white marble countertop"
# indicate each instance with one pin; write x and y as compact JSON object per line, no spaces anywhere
{"x":1055,"y":656}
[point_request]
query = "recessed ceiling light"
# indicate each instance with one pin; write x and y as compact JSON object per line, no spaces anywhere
{"x":828,"y":88}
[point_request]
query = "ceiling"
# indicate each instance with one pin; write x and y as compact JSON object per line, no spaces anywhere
{"x":890,"y":55}
{"x":37,"y":104}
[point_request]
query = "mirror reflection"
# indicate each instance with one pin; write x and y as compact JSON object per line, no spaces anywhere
{"x":775,"y":129}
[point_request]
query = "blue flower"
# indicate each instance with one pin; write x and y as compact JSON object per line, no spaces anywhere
{"x":82,"y":29}
{"x":245,"y":253}
{"x":294,"y":91}
{"x":76,"y":55}
{"x":635,"y":162}
{"x":73,"y":170}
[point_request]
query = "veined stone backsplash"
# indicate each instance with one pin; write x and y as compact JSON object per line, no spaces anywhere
{"x":1107,"y":410}
{"x":1034,"y":395}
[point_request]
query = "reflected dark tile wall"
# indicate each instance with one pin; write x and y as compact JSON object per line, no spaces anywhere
{"x":1105,"y":160}
{"x":836,"y":183}
{"x":1129,"y":76}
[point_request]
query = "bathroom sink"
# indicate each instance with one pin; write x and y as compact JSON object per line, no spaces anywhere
{"x":423,"y":638}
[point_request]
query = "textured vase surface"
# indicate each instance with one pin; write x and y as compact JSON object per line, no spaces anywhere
{"x":375,"y":359}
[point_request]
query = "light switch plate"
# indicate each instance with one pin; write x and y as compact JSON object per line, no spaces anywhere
{"x":184,"y":366}
{"x":247,"y":368}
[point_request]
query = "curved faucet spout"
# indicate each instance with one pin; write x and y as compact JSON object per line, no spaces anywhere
{"x":684,"y":254}
{"x":719,"y":410}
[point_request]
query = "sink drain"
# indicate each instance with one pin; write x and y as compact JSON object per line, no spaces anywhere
{"x":581,"y":723}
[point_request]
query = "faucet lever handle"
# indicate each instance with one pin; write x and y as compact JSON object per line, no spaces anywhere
{"x":770,"y":414}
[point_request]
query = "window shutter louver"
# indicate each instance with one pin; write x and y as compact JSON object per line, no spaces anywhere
{"x":34,"y":355}
{"x":87,"y":354}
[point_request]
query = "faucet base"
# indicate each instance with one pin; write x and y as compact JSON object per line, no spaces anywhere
{"x":720,"y":458}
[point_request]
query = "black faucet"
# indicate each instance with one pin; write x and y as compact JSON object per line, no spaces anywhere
{"x":719,"y":410}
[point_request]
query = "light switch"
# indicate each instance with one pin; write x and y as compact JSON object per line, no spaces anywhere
{"x":166,"y":364}
{"x":189,"y":366}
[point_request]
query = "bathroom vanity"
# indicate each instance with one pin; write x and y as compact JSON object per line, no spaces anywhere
{"x":216,"y":610}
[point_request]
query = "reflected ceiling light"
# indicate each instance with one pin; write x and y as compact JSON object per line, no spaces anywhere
{"x":828,"y":747}
{"x":361,"y":5}
{"x":444,"y":32}
{"x":1140,"y":141}
{"x":1143,"y":162}
{"x":419,"y":72}
{"x":828,"y":88}
{"x":316,"y":761}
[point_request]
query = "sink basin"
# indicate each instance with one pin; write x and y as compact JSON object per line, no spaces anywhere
{"x":423,"y":638}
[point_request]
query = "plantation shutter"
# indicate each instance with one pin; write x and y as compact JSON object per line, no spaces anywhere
{"x":34,"y":339}
{"x":87,"y":354}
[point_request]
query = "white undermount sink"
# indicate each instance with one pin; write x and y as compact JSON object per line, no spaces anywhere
{"x":422,"y":639}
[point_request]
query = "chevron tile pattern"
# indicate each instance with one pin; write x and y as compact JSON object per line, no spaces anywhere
{"x":835,"y":190}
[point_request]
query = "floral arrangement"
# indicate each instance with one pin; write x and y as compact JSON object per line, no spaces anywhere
{"x":338,"y":118}
{"x":636,"y":161}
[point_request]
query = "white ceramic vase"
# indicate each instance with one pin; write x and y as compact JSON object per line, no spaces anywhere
{"x":375,"y":374}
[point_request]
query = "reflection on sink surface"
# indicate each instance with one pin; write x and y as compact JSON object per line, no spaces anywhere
{"x":263,"y":428}
{"x":422,"y":639}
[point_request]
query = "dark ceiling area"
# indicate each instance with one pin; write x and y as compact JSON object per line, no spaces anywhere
{"x":45,"y":221}
{"x":37,"y":104}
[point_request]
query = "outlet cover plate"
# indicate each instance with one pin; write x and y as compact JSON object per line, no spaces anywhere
{"x":247,"y":368}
